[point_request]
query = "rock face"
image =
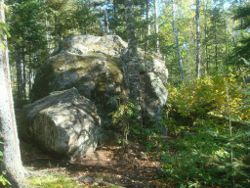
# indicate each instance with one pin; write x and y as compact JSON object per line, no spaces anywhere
{"x":95,"y":66}
{"x":65,"y":123}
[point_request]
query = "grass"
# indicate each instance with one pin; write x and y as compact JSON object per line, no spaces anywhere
{"x":52,"y":181}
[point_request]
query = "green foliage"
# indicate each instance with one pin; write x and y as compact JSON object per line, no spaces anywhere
{"x":242,"y":14}
{"x":3,"y":181}
{"x":203,"y":150}
{"x":4,"y":30}
{"x":123,"y":117}
{"x":208,"y":96}
{"x":201,"y":157}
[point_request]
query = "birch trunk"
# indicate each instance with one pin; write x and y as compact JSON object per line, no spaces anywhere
{"x":176,"y":36}
{"x":206,"y":38}
{"x":12,"y":163}
{"x":106,"y":19}
{"x":156,"y":24}
{"x":215,"y":38}
{"x":198,"y":39}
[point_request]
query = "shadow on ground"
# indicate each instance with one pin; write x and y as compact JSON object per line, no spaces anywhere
{"x":109,"y":166}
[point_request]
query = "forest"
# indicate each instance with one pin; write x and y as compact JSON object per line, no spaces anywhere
{"x":125,"y":93}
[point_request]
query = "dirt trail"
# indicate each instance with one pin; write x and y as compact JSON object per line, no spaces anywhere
{"x":109,"y":166}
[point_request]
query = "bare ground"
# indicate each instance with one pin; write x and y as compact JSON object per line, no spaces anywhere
{"x":109,"y":166}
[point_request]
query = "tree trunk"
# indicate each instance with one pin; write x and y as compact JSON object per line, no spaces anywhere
{"x":57,"y":32}
{"x":206,"y":38}
{"x":148,"y":25}
{"x":24,"y":77}
{"x":106,"y":19}
{"x":198,"y":39}
{"x":12,"y":163}
{"x":19,"y":77}
{"x":156,"y":24}
{"x":176,"y":36}
{"x":215,"y":39}
{"x":30,"y":76}
{"x":216,"y":48}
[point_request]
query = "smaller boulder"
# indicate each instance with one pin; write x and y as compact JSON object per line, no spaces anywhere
{"x":155,"y":96}
{"x":64,"y":123}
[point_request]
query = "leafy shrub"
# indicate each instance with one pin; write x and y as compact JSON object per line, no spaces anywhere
{"x":123,"y":117}
{"x":218,"y":96}
{"x":204,"y":150}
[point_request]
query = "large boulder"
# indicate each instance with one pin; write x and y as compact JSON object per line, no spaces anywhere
{"x":95,"y":66}
{"x":64,"y":123}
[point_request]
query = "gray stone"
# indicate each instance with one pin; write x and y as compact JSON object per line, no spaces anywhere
{"x":95,"y":66}
{"x":65,"y":123}
{"x":155,"y":95}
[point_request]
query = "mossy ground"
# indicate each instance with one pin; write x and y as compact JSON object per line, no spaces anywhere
{"x":52,"y":181}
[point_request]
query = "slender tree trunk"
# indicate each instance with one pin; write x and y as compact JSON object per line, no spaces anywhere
{"x":106,"y":19}
{"x":57,"y":32}
{"x":47,"y":34}
{"x":216,"y":48}
{"x":47,"y":24}
{"x":148,"y":17}
{"x":215,"y":40}
{"x":156,"y":24}
{"x":176,"y":36}
{"x":206,"y":38}
{"x":12,"y":162}
{"x":30,"y":76}
{"x":115,"y":7}
{"x":24,"y":77}
{"x":30,"y":80}
{"x":198,"y":39}
{"x":19,"y":77}
{"x":148,"y":25}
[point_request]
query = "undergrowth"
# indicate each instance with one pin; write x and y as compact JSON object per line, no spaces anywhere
{"x":208,"y":141}
{"x":200,"y":156}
